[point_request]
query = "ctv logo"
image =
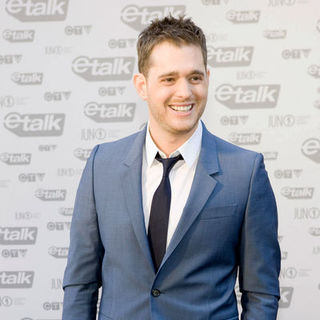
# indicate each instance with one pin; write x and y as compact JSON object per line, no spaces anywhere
{"x":103,"y":69}
{"x":58,"y":225}
{"x":57,"y":95}
{"x":295,"y":53}
{"x":77,"y":30}
{"x":14,"y":253}
{"x":35,"y":125}
{"x":10,"y":58}
{"x":110,"y":112}
{"x":287,"y":173}
{"x":233,"y":120}
{"x":37,"y":10}
{"x":52,"y":306}
{"x":248,"y":97}
{"x":139,"y":17}
{"x":18,"y":235}
{"x":31,"y":177}
{"x":230,"y":56}
{"x":111,"y":91}
{"x":16,"y":279}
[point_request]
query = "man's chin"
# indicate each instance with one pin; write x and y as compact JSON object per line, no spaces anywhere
{"x":183,"y":130}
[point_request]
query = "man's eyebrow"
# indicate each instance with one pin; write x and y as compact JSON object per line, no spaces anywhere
{"x":168,"y":74}
{"x":175,"y":73}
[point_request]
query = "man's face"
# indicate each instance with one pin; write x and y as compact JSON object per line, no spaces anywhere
{"x":175,"y":88}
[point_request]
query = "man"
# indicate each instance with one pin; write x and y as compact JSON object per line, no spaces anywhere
{"x":169,"y":244}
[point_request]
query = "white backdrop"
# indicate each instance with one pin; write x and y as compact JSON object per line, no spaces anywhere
{"x":66,"y":68}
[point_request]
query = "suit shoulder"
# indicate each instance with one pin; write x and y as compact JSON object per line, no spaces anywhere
{"x":240,"y":161}
{"x":233,"y":156}
{"x":116,"y":149}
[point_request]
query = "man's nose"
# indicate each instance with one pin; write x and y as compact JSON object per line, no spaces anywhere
{"x":183,"y":89}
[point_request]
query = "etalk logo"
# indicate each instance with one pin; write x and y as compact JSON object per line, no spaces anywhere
{"x":230,"y":56}
{"x":35,"y":125}
{"x":15,"y":158}
{"x":311,"y":149}
{"x":286,"y":297}
{"x":110,"y":112}
{"x":139,"y":17}
{"x":103,"y":69}
{"x":18,"y":235}
{"x":16,"y":279}
{"x":248,"y":96}
{"x":37,"y":10}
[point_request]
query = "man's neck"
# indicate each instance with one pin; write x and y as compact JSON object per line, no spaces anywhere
{"x":167,"y":142}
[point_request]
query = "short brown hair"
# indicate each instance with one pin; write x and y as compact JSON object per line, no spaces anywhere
{"x":179,"y":31}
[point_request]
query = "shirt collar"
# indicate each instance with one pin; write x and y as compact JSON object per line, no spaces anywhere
{"x":190,"y":150}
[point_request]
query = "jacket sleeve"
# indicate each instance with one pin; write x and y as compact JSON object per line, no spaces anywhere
{"x":259,"y":250}
{"x":82,"y":277}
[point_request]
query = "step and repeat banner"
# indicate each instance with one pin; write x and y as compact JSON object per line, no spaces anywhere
{"x":66,"y":71}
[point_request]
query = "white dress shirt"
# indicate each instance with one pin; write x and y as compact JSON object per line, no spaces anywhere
{"x":180,"y":176}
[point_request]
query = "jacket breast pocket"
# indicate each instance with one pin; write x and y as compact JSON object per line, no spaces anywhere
{"x":215,"y":212}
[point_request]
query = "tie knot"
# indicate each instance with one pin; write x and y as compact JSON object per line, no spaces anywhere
{"x":168,"y":163}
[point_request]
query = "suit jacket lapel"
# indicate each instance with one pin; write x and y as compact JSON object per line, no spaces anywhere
{"x":132,"y":191}
{"x":202,"y":187}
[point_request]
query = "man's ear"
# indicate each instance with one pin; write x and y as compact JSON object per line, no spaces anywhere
{"x":208,"y":74}
{"x":140,"y":84}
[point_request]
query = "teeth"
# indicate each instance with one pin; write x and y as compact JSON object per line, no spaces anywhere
{"x":180,"y":108}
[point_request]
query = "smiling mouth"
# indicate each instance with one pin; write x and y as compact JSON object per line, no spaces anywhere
{"x":181,"y":108}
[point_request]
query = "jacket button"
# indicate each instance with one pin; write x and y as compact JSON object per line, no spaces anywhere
{"x":155,"y":293}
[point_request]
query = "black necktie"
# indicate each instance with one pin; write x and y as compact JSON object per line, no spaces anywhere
{"x":159,"y":213}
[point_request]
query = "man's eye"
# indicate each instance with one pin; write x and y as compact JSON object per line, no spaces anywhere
{"x":169,"y":79}
{"x":196,"y":78}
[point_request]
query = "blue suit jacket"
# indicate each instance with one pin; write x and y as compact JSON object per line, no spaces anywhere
{"x":228,"y":225}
